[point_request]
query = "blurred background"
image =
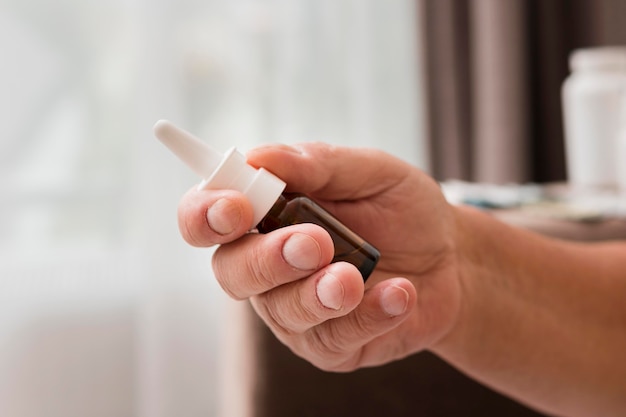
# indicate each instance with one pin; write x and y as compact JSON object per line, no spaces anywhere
{"x":104,"y":311}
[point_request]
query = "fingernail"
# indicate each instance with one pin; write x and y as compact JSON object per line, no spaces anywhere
{"x":302,"y":252}
{"x":330,"y":292}
{"x":224,"y":216}
{"x":394,"y":300}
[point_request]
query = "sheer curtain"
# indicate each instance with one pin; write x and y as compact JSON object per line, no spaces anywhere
{"x":104,"y":310}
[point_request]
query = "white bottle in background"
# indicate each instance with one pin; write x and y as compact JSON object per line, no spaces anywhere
{"x":592,"y":96}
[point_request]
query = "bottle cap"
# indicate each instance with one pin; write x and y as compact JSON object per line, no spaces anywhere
{"x":222,"y":171}
{"x":599,"y":58}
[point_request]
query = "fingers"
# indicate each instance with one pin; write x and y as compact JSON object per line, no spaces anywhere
{"x":350,"y":342}
{"x":296,"y":307}
{"x":328,"y":172}
{"x":330,"y":321}
{"x":206,"y":218}
{"x":257,"y":263}
{"x":340,"y":344}
{"x":321,"y":311}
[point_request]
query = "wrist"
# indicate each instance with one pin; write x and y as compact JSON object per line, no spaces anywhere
{"x":483,"y":247}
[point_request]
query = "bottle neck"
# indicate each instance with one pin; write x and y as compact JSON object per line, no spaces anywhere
{"x":271,"y":220}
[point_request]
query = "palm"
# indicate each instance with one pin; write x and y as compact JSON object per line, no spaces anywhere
{"x":406,"y":223}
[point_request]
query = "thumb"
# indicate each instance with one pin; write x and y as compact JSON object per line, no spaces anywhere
{"x":331,"y":172}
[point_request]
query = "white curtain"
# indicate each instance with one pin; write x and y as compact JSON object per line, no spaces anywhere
{"x":104,"y":311}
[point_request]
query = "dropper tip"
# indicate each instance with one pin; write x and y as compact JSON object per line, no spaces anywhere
{"x":162,"y":128}
{"x":200,"y":157}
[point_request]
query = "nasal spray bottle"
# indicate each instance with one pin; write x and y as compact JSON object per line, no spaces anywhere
{"x":272,"y":209}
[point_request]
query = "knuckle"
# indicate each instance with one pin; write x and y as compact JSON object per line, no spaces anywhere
{"x":222,"y":277}
{"x":187,"y":231}
{"x":286,"y":312}
{"x":232,"y":293}
{"x":305,"y":314}
{"x":326,"y":355}
{"x":242,"y":275}
{"x":326,"y":343}
{"x":360,"y":326}
{"x":334,"y":346}
{"x":275,"y":321}
{"x":259,"y":272}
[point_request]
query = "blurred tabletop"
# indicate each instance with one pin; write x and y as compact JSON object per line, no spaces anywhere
{"x":558,"y":210}
{"x":598,"y":230}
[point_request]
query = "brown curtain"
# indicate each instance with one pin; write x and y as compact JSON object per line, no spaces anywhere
{"x":494,"y":71}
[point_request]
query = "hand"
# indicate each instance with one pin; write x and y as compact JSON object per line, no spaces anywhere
{"x":323,"y":311}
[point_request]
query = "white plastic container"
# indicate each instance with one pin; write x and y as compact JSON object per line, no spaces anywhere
{"x":592,"y":97}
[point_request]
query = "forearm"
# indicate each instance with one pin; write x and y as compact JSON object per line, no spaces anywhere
{"x":541,"y":320}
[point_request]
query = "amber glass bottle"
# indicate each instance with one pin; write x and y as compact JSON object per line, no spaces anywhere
{"x":292,"y":209}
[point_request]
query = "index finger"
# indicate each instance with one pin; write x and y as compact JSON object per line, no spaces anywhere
{"x":331,"y":172}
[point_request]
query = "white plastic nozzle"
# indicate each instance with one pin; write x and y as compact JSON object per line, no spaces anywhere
{"x":222,"y":171}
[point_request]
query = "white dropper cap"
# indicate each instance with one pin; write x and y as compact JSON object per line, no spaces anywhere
{"x":228,"y":171}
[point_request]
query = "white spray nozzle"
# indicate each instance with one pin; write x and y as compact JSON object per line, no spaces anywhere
{"x":200,"y":157}
{"x":222,"y":171}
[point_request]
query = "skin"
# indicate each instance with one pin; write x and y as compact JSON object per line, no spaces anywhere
{"x":538,"y":319}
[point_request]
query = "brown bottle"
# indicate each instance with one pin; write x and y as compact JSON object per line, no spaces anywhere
{"x":292,"y":209}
